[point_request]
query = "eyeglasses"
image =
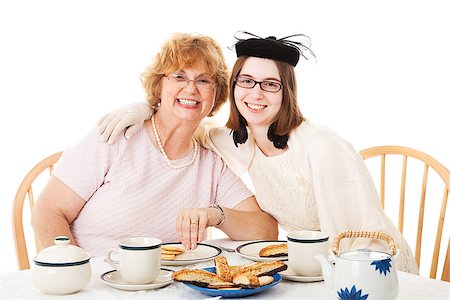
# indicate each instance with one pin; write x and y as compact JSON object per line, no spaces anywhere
{"x":182,"y":81}
{"x":266,"y":85}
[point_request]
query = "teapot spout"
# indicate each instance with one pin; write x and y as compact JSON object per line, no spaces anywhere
{"x":327,"y":271}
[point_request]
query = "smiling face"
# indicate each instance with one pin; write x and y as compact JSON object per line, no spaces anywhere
{"x":187,"y":101}
{"x":260,"y":108}
{"x":188,"y":53}
{"x":279,"y":108}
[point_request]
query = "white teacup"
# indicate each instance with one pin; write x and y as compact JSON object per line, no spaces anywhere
{"x":139,"y":259}
{"x":302,"y":247}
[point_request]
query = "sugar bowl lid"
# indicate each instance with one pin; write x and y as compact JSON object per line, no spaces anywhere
{"x":62,"y":254}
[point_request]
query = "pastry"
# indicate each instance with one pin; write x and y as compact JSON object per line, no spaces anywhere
{"x":265,"y":280}
{"x":247,"y":281}
{"x":171,"y":249}
{"x":222,"y":268}
{"x":263,"y":268}
{"x":199,"y":277}
{"x":276,"y":250}
{"x":170,"y":252}
{"x":232,"y":277}
{"x":223,"y":286}
{"x":168,"y":256}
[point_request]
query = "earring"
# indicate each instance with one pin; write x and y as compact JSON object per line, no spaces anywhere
{"x":279,"y":141}
{"x":156,"y":105}
{"x":240,"y":136}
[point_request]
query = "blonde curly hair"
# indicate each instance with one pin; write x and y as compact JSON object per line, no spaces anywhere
{"x":184,"y":50}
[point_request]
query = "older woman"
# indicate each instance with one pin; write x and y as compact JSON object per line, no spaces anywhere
{"x":160,"y":182}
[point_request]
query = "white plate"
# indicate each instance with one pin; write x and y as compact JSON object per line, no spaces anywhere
{"x":113,"y":278}
{"x":203,"y":252}
{"x":226,"y":244}
{"x":251,"y":250}
{"x":290,"y":275}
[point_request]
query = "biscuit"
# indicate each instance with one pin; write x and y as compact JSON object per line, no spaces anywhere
{"x":199,"y":277}
{"x":232,"y":277}
{"x":168,"y":256}
{"x":276,"y":250}
{"x":263,"y":268}
{"x":234,"y":270}
{"x":170,"y":252}
{"x":222,"y":286}
{"x":258,"y":274}
{"x":247,"y":281}
{"x":222,"y":268}
{"x":265,"y":280}
{"x":176,"y":250}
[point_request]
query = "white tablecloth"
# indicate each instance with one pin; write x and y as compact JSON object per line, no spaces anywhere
{"x":18,"y":285}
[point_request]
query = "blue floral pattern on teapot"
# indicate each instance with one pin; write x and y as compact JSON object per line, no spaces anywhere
{"x":353,"y":294}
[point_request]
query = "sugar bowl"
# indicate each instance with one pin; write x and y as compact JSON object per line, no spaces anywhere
{"x":62,"y":268}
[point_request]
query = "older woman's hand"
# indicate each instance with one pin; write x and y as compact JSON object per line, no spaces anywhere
{"x":192,"y":224}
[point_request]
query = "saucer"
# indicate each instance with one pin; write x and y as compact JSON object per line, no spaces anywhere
{"x":113,"y":278}
{"x":290,"y":275}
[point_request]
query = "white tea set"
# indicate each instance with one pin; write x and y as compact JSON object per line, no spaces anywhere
{"x":360,"y":274}
{"x":65,"y":269}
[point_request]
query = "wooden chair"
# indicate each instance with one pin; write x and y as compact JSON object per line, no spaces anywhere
{"x":407,"y":155}
{"x":25,"y":189}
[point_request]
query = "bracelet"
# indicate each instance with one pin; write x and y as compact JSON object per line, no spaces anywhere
{"x":222,"y":213}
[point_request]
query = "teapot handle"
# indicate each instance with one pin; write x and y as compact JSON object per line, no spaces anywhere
{"x":393,"y":247}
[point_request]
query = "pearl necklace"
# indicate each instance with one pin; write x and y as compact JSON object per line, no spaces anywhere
{"x":164,"y":154}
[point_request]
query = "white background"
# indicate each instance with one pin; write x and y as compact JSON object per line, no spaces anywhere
{"x":381,"y":77}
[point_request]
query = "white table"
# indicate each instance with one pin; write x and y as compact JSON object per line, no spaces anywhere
{"x":18,"y":285}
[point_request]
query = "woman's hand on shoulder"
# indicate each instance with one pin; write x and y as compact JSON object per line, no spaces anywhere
{"x":129,"y":118}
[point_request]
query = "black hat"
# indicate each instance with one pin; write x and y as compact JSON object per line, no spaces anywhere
{"x":282,"y":49}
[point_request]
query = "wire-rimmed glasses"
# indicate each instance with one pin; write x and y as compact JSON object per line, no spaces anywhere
{"x":204,"y":84}
{"x":270,"y":86}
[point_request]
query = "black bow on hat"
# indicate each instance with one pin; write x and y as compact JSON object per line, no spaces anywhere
{"x":283,"y":49}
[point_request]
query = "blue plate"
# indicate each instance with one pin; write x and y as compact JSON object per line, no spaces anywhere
{"x":233,"y":293}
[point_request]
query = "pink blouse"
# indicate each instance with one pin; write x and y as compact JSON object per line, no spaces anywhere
{"x":131,"y":191}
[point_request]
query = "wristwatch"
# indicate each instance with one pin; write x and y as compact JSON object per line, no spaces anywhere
{"x":222,"y":213}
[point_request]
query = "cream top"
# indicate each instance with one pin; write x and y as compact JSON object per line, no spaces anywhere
{"x":320,"y":182}
{"x":293,"y":192}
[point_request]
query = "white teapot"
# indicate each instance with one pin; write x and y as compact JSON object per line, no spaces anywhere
{"x":62,"y":268}
{"x":362,"y":274}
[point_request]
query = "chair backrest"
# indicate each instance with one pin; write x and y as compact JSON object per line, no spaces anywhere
{"x":428,"y":163}
{"x":25,"y":189}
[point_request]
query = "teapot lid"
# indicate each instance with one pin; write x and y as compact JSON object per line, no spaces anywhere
{"x":62,"y":254}
{"x":365,"y":254}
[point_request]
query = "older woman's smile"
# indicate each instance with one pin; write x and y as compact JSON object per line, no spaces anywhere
{"x":187,"y":102}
